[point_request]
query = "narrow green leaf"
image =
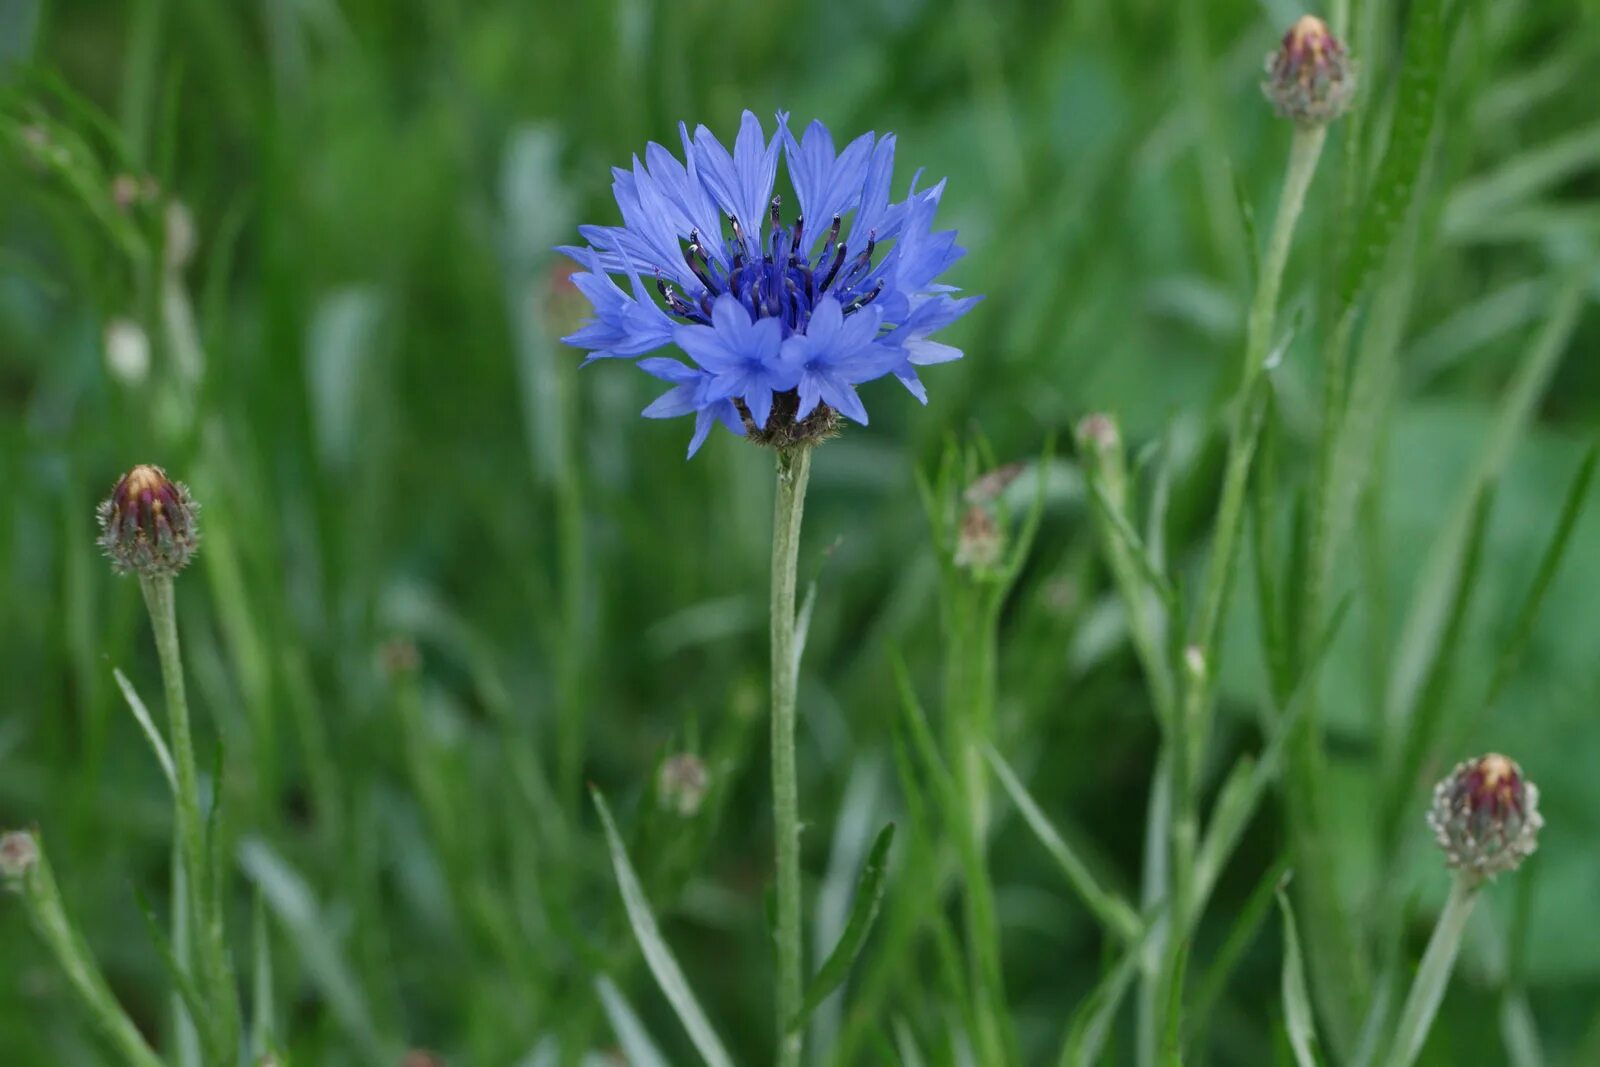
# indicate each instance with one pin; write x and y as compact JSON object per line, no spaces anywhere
{"x":1549,"y":566}
{"x":1172,"y":1033}
{"x":1416,"y":104}
{"x":669,"y":976}
{"x":1242,"y":933}
{"x":148,"y":725}
{"x":1297,"y":1015}
{"x":317,"y":947}
{"x":180,"y":978}
{"x":1114,"y":913}
{"x":1090,"y":1024}
{"x":863,"y":913}
{"x":632,"y":1037}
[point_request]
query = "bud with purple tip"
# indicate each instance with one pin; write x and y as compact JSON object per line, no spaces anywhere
{"x":1310,"y":78}
{"x":1485,"y":816}
{"x":148,"y":524}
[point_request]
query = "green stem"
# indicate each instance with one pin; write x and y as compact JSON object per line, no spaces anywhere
{"x":1427,"y":989}
{"x":794,"y":470}
{"x":1304,"y":151}
{"x":42,"y":899}
{"x":204,"y":922}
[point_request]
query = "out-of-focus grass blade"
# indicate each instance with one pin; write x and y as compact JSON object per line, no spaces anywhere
{"x":264,"y":1014}
{"x":181,"y":980}
{"x":1549,"y":565}
{"x":1132,"y":543}
{"x":1091,"y":1022}
{"x":1524,"y":177}
{"x":1416,"y":103}
{"x":869,"y":897}
{"x":905,"y":1043}
{"x":1242,"y":933}
{"x":1245,"y":786}
{"x":631,"y":1034}
{"x":1172,"y":1031}
{"x":1425,"y":621}
{"x":1297,"y":1015}
{"x":1116,"y":914}
{"x":663,"y":964}
{"x":290,"y":899}
{"x":147,"y":724}
{"x":1425,"y":724}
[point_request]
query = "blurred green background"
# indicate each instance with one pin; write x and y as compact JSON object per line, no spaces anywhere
{"x":348,"y":352}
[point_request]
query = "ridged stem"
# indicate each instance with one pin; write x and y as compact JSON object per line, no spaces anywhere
{"x":1427,"y":989}
{"x":42,"y":899}
{"x":204,"y":922}
{"x":794,"y":470}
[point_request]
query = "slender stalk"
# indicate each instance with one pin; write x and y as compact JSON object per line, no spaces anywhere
{"x":1304,"y":151}
{"x":42,"y":899}
{"x":1427,"y":989}
{"x":794,"y":470}
{"x":204,"y":922}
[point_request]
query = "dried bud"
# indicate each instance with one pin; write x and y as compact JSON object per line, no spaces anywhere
{"x":148,"y":524}
{"x":1310,"y":78}
{"x":980,"y":541}
{"x":989,"y":487}
{"x":1485,"y":816}
{"x":125,"y":191}
{"x":422,"y":1058}
{"x":19,"y":854}
{"x":682,"y":783}
{"x":1097,"y":432}
{"x":399,"y":657}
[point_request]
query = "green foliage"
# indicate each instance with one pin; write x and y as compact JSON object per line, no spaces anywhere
{"x":356,"y":367}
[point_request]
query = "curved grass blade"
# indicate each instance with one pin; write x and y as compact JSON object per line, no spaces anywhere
{"x":669,"y":976}
{"x":1116,"y":914}
{"x":633,"y":1038}
{"x":148,"y":725}
{"x":869,"y":898}
{"x":1297,"y":1016}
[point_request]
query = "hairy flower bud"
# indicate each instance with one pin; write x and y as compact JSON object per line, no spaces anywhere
{"x":979,"y":541}
{"x":683,"y":782}
{"x":148,"y":524}
{"x":19,"y":854}
{"x":1485,"y":816}
{"x":1310,"y":78}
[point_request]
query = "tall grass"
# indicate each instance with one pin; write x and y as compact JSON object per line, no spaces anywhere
{"x":1339,"y":539}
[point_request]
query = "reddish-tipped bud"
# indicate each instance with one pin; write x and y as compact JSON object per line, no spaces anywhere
{"x":683,"y":782}
{"x":1485,"y":816}
{"x":148,"y":524}
{"x":979,"y":541}
{"x":19,"y":854}
{"x":1310,"y":78}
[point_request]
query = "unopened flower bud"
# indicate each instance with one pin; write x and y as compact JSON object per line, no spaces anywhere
{"x":148,"y":524}
{"x":182,"y":238}
{"x":1485,"y":816}
{"x":1097,"y":432}
{"x":419,"y":1057}
{"x":19,"y":854}
{"x":1310,"y":78}
{"x":1194,"y":661}
{"x":980,"y":541}
{"x":683,"y":782}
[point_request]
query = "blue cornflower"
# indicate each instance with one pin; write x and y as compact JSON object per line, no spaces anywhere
{"x":780,"y":322}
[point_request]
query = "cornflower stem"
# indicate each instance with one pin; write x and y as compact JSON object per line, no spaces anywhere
{"x":1304,"y":152}
{"x":203,"y":920}
{"x":42,"y":899}
{"x":794,"y":471}
{"x":972,"y":621}
{"x":1427,"y":989}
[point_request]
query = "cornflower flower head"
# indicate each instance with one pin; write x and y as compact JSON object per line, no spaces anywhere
{"x":779,"y":321}
{"x":1485,"y":816}
{"x":148,"y":524}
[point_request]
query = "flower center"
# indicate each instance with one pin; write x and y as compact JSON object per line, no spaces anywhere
{"x":774,"y":279}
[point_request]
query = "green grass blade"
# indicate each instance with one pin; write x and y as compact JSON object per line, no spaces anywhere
{"x":1297,"y":1014}
{"x":148,"y":725}
{"x":663,"y":964}
{"x":1416,"y":105}
{"x":316,"y":945}
{"x":1116,"y":914}
{"x":869,"y":898}
{"x":632,"y":1037}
